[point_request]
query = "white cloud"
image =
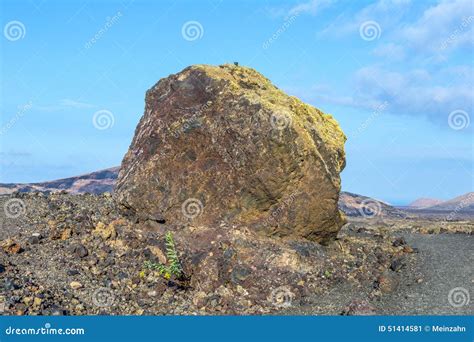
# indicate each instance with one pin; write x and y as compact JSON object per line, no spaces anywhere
{"x":417,"y":70}
{"x":391,"y":51}
{"x":386,"y":13}
{"x":312,"y":7}
{"x":442,"y":27}
{"x":439,"y":29}
{"x":319,"y":93}
{"x":75,"y":104}
{"x":64,"y":104}
{"x":416,"y":92}
{"x":429,"y":80}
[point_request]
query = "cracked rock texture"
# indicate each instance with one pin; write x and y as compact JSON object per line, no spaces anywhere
{"x":222,"y":144}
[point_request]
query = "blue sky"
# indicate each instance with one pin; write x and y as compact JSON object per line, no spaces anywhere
{"x":396,"y":74}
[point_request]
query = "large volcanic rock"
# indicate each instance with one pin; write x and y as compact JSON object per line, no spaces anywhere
{"x":222,"y":144}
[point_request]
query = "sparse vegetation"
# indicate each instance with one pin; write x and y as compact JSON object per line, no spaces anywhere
{"x":173,"y":267}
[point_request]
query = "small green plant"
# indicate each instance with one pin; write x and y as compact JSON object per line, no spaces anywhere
{"x":174,"y":266}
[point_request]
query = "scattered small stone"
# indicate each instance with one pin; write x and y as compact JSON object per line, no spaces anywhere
{"x":157,"y":252}
{"x":33,"y":240}
{"x":214,"y":300}
{"x":382,"y":258}
{"x":56,"y":311}
{"x":359,"y":308}
{"x":399,"y":242}
{"x":386,"y":283}
{"x":37,"y":301}
{"x":80,"y":251}
{"x":66,"y":234}
{"x":396,"y":265}
{"x":55,"y":234}
{"x":239,"y":274}
{"x":241,"y":290}
{"x":75,"y":285}
{"x":72,"y":272}
{"x":9,"y":284}
{"x":200,"y":299}
{"x":122,"y":275}
{"x":105,"y":231}
{"x":27,"y":300}
{"x":93,"y":260}
{"x":95,"y":271}
{"x":109,"y":261}
{"x":229,"y":253}
{"x":11,"y":247}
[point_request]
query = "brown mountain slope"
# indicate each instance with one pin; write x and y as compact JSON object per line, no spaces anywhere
{"x":96,"y":182}
{"x":357,"y":205}
{"x":461,"y":203}
{"x":424,"y":202}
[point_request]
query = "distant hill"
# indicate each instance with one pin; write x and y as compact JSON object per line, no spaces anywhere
{"x":357,"y":205}
{"x":96,"y":182}
{"x":421,"y":203}
{"x":458,"y":208}
{"x":461,"y":203}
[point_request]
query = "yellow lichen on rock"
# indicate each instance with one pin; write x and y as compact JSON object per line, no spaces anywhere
{"x":105,"y":231}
